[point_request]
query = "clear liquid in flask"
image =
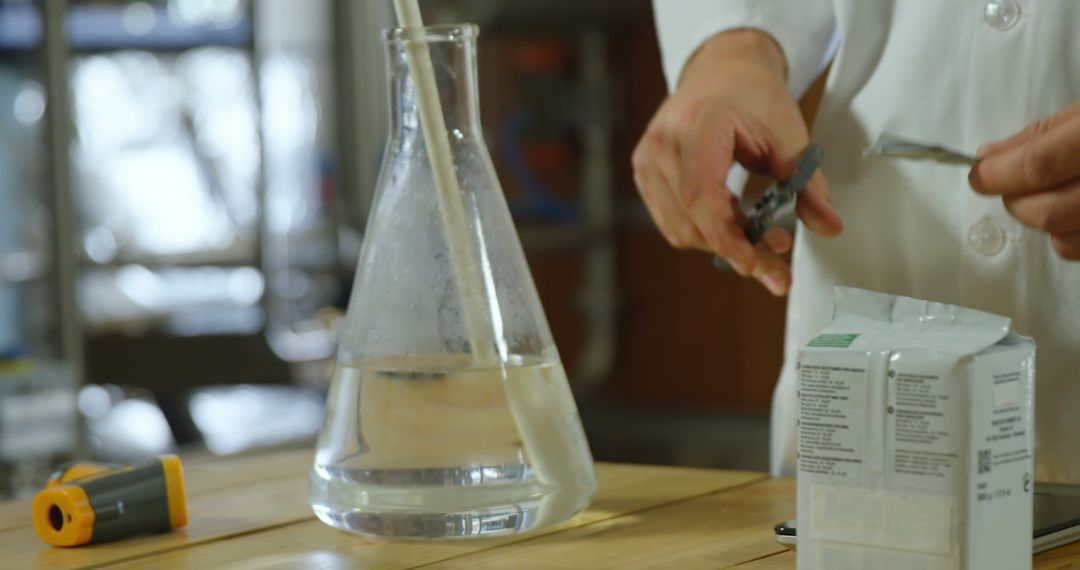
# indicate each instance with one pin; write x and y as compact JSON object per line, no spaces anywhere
{"x":437,"y":447}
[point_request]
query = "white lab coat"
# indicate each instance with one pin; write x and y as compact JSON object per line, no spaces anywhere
{"x":945,"y":71}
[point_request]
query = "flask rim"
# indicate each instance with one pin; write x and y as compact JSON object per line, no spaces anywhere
{"x":436,"y":33}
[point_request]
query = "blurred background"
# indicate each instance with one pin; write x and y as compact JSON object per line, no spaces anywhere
{"x":184,"y":186}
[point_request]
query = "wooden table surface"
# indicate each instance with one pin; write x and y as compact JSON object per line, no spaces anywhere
{"x":253,"y":513}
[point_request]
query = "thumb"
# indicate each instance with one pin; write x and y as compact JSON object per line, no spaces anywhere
{"x":815,"y":209}
{"x":813,"y":205}
{"x":1024,"y":135}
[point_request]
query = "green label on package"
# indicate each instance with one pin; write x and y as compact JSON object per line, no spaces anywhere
{"x":830,"y":340}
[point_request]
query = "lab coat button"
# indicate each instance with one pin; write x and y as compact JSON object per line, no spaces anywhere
{"x":1002,"y":14}
{"x":987,"y":237}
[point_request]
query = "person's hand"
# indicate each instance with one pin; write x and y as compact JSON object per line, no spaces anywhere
{"x":732,"y":104}
{"x":1037,"y":174}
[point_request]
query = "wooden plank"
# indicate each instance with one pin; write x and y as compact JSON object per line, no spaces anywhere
{"x":719,"y":530}
{"x":253,"y":513}
{"x":208,"y":474}
{"x":624,"y":489}
{"x":202,"y":474}
{"x":1067,"y":556}
{"x":779,"y":561}
{"x":213,"y":515}
{"x":14,"y":514}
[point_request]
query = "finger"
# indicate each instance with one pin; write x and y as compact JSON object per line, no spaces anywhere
{"x":787,"y":142}
{"x":756,"y":149}
{"x":1011,"y":142}
{"x":705,"y":211}
{"x":662,"y":216}
{"x":1067,"y":246}
{"x":1054,"y":211}
{"x":1044,"y":161}
{"x":815,"y":209}
{"x":812,"y":205}
{"x":667,"y":165}
{"x":741,"y":221}
{"x":642,"y":163}
{"x":671,"y":220}
{"x":706,"y":156}
{"x":778,"y":239}
{"x":651,"y":161}
{"x":1029,"y":131}
{"x":771,"y":270}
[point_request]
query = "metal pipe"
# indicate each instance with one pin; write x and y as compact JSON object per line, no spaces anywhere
{"x":599,"y":292}
{"x":58,"y":135}
{"x":362,"y":106}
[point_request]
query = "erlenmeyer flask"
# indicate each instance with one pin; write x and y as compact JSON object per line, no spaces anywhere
{"x":431,"y":429}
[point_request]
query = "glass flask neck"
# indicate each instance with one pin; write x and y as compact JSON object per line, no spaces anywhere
{"x":453,"y":58}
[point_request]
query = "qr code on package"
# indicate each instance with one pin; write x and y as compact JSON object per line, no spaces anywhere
{"x":984,"y":461}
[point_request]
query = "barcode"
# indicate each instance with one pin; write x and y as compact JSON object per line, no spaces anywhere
{"x":984,"y":461}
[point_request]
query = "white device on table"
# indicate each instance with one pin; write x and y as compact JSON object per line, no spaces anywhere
{"x":1057,"y":518}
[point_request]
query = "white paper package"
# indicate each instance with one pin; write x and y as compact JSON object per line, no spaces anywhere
{"x":915,"y":438}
